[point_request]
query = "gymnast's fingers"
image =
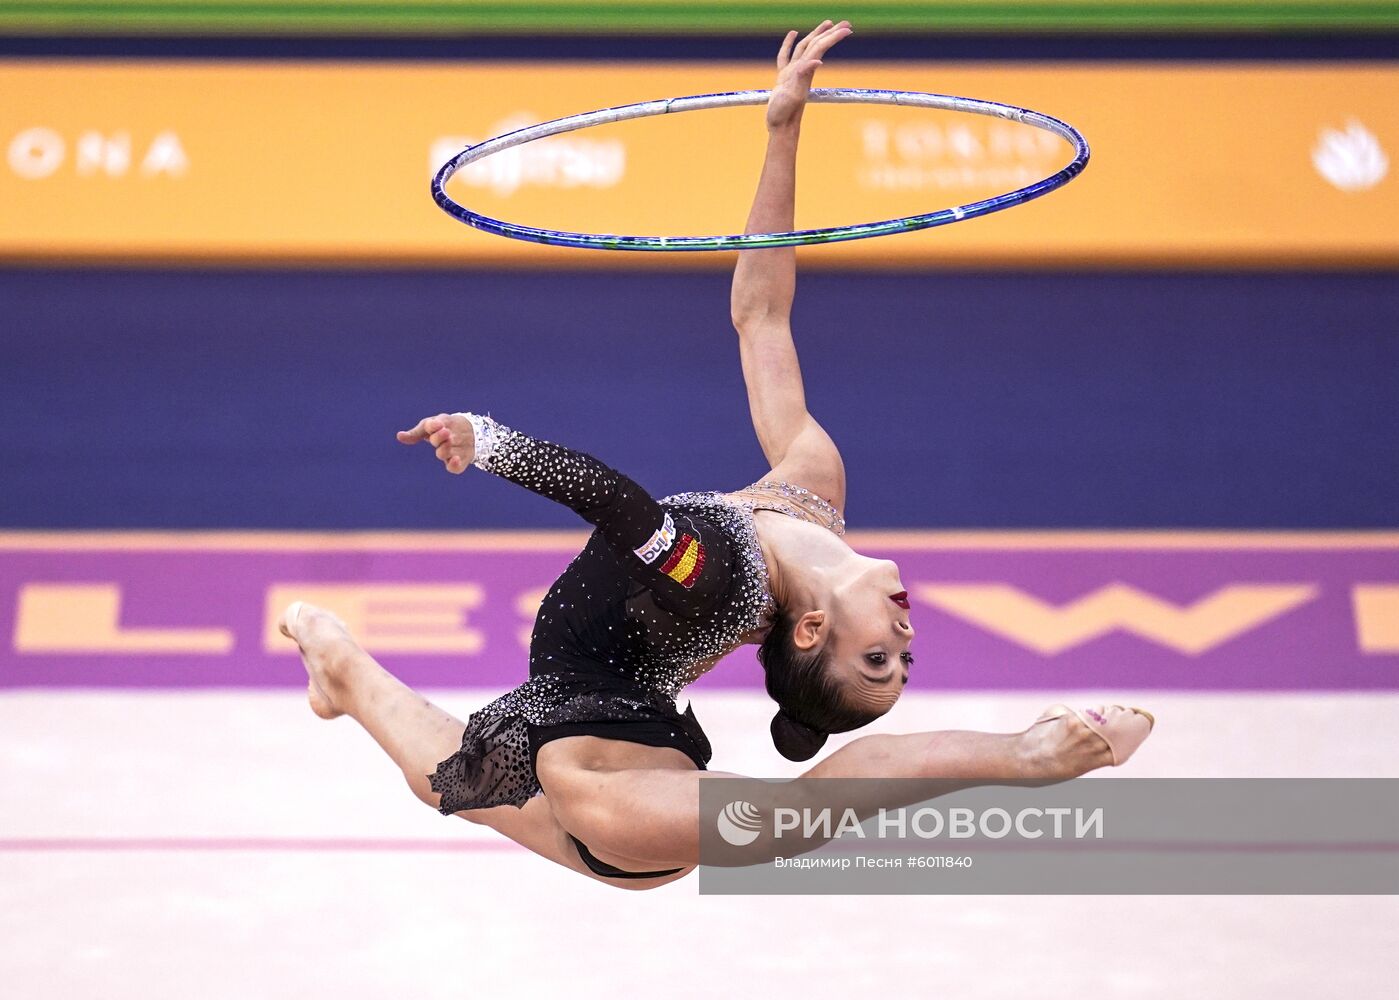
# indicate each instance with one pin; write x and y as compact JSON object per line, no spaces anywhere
{"x":784,"y":54}
{"x":822,"y":45}
{"x":440,"y":430}
{"x":800,"y":50}
{"x":419,"y":432}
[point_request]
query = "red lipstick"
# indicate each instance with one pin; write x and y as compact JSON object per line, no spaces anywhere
{"x":901,"y":599}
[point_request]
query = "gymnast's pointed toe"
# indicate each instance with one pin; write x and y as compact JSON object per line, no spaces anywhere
{"x":1123,"y":729}
{"x":291,"y":617}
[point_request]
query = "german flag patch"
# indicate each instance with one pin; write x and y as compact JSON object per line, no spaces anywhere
{"x":686,"y":562}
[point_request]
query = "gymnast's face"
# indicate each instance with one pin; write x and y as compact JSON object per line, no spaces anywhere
{"x":867,"y":634}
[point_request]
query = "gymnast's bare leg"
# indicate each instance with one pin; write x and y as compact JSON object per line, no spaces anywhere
{"x":638,"y":807}
{"x":343,"y":679}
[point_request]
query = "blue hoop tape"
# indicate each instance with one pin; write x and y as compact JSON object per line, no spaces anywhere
{"x":752,"y":241}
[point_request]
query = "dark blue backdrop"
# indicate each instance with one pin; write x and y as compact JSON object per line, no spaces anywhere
{"x":268,"y":399}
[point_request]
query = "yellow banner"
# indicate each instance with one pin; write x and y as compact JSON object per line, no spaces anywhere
{"x":209,"y":162}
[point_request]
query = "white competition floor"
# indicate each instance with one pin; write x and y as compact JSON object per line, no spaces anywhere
{"x":230,"y":845}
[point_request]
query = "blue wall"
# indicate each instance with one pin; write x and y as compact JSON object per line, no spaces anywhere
{"x":134,"y":398}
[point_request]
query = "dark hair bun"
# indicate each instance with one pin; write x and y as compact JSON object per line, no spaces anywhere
{"x":795,"y":740}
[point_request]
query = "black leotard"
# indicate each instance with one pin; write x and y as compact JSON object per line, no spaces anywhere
{"x":660,"y":588}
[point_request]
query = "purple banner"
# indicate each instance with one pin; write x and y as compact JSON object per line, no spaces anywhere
{"x":992,"y":610}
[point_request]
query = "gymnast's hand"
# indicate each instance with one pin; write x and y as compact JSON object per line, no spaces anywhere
{"x":796,"y":65}
{"x":451,"y":434}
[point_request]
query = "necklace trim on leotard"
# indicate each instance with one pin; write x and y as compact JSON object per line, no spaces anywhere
{"x":795,"y":501}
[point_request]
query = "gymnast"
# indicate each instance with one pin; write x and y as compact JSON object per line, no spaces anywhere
{"x":589,"y":763}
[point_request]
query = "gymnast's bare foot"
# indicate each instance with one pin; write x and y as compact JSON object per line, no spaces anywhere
{"x":323,"y":641}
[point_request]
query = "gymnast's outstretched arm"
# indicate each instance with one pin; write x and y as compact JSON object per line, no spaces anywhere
{"x":764,"y":283}
{"x":687,"y":568}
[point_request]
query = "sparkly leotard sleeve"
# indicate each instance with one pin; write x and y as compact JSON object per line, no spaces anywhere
{"x":660,"y":590}
{"x":686,"y":568}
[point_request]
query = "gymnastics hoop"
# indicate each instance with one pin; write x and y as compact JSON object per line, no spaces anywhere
{"x":752,"y":241}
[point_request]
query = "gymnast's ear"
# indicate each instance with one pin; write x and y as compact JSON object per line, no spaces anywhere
{"x":795,"y":740}
{"x":809,"y":631}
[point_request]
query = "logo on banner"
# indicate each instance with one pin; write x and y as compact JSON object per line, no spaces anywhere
{"x":565,"y":161}
{"x":974,"y":154}
{"x":39,"y":153}
{"x":1197,"y":628}
{"x":1351,"y":160}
